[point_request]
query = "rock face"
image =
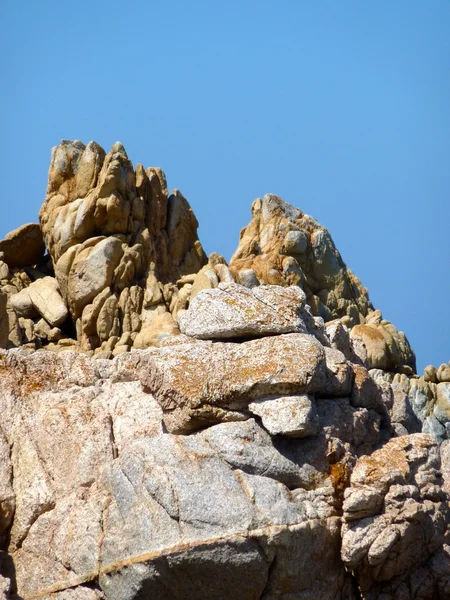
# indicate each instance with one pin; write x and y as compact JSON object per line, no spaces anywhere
{"x":223,"y":378}
{"x":395,"y":515}
{"x":263,"y":495}
{"x":283,"y":246}
{"x":265,"y":438}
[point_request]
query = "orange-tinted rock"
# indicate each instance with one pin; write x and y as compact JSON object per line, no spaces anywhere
{"x":201,"y":383}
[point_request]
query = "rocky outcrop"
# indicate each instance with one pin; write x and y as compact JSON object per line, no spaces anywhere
{"x":213,"y":470}
{"x":175,"y":427}
{"x":118,"y":241}
{"x":395,"y":518}
{"x":127,"y":262}
{"x":119,"y":247}
{"x":283,"y":246}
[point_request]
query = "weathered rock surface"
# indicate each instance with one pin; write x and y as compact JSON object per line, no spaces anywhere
{"x":293,"y":416}
{"x":201,"y":383}
{"x":380,"y":346}
{"x":234,"y":311}
{"x":395,"y":517}
{"x":24,"y":246}
{"x":97,"y":499}
{"x":117,"y":237}
{"x":176,"y":427}
{"x":45,"y":298}
{"x":283,"y":246}
{"x":111,"y":228}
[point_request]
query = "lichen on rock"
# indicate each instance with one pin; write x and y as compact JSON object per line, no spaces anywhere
{"x":175,"y":427}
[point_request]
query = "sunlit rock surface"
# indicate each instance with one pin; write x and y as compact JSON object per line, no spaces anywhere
{"x":175,"y":427}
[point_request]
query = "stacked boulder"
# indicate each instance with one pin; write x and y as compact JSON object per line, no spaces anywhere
{"x":121,"y":250}
{"x":125,"y":258}
{"x":29,"y":299}
{"x":283,"y":246}
{"x":247,"y":457}
{"x":124,"y":262}
{"x":267,"y":436}
{"x":119,"y":243}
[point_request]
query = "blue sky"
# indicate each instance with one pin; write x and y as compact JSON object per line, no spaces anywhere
{"x":342,"y":108}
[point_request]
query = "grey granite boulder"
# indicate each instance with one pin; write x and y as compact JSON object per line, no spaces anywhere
{"x":234,"y":311}
{"x":293,"y":416}
{"x":203,"y":383}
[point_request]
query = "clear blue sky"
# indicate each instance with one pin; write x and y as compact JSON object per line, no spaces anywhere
{"x":342,"y":108}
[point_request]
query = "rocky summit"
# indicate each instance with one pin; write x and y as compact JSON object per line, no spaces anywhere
{"x":173,"y":427}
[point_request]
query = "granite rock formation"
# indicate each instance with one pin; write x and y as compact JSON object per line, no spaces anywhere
{"x":175,"y":427}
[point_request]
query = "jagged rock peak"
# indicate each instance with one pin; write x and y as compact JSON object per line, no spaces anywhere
{"x":283,"y":246}
{"x":117,"y":241}
{"x":125,"y":260}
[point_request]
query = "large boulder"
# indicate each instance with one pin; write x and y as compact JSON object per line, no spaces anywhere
{"x":234,"y":311}
{"x":24,"y":246}
{"x":200,"y":383}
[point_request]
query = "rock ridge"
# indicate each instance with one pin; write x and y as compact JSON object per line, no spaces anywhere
{"x":173,"y":426}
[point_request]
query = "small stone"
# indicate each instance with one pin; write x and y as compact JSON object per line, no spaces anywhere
{"x":295,"y":242}
{"x":42,"y":329}
{"x":186,"y":279}
{"x":54,"y":335}
{"x":224,"y":273}
{"x":292,"y":416}
{"x":443,"y":373}
{"x":120,"y":349}
{"x":4,"y":271}
{"x":247,"y":277}
{"x":205,"y":279}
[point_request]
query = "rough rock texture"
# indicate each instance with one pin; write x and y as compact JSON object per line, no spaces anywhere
{"x":200,"y":383}
{"x":23,"y":246}
{"x":119,"y":246}
{"x":97,"y":499}
{"x":395,"y":516}
{"x":174,"y":427}
{"x":127,"y":262}
{"x":283,"y":246}
{"x":108,"y":227}
{"x":234,"y":311}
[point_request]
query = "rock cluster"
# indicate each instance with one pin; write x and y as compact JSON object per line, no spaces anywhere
{"x":119,"y":247}
{"x":267,"y":436}
{"x":125,"y":259}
